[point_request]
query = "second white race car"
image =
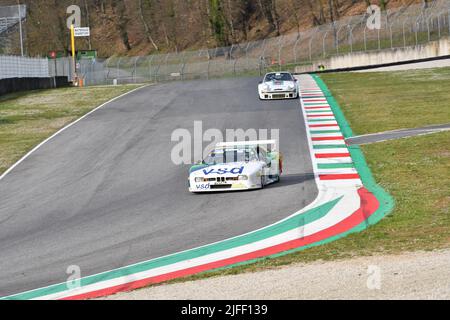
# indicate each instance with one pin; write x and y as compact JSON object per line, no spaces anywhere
{"x":278,"y":85}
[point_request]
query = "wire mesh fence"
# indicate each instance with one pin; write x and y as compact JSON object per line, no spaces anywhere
{"x":23,"y":67}
{"x":398,"y":28}
{"x":401,"y":27}
{"x":12,"y":34}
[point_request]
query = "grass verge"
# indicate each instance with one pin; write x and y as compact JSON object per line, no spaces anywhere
{"x":27,"y":118}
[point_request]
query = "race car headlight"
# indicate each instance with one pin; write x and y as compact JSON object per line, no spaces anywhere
{"x":242,"y":177}
{"x":200,"y":179}
{"x":291,"y":88}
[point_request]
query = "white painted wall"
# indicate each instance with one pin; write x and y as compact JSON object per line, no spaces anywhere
{"x":359,"y":59}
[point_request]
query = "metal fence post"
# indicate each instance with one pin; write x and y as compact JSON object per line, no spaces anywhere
{"x":230,"y":57}
{"x":417,"y":36}
{"x":350,"y":38}
{"x":183,"y":61}
{"x":448,"y":20}
{"x":280,"y":47}
{"x":297,"y":40}
{"x":209,"y":62}
{"x":157,"y":71}
{"x":262,"y":58}
{"x":135,"y":69}
{"x":150,"y":67}
{"x":390,"y":35}
{"x":404,"y":35}
{"x":166,"y":63}
{"x":323,"y":43}
{"x":310,"y":43}
{"x":246,"y":56}
{"x":234,"y":65}
{"x":117,"y":69}
{"x":337,"y":38}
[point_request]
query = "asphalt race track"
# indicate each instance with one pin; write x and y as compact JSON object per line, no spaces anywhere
{"x":105,"y":193}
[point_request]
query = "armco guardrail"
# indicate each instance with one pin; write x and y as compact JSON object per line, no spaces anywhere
{"x":23,"y":84}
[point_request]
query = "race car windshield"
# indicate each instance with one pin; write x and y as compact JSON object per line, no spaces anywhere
{"x":278,"y":77}
{"x":230,"y":156}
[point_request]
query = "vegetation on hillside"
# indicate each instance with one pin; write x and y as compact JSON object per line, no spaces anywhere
{"x":136,"y":27}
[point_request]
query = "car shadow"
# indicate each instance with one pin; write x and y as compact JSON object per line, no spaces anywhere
{"x":292,"y":179}
{"x":285,"y":181}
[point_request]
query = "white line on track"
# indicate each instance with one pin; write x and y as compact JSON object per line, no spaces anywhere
{"x":65,"y":128}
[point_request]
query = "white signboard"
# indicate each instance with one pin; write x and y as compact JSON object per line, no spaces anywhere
{"x":82,"y":32}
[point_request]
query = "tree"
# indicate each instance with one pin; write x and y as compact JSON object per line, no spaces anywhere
{"x":123,"y":20}
{"x":217,"y":21}
{"x":145,"y":24}
{"x":269,"y":11}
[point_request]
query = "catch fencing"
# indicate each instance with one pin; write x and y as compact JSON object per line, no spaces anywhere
{"x":23,"y":67}
{"x":12,"y":34}
{"x":402,"y":27}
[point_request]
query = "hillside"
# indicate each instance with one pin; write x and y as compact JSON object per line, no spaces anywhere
{"x":138,"y":27}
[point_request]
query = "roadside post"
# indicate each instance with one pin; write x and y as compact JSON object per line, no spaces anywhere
{"x":72,"y":41}
{"x":76,"y":32}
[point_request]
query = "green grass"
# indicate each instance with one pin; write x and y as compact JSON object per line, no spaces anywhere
{"x":380,"y":101}
{"x":27,"y":118}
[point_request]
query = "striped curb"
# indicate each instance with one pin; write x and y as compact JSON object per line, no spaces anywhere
{"x":343,"y":205}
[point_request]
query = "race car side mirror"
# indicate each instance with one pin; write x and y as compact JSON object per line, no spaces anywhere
{"x":260,"y":82}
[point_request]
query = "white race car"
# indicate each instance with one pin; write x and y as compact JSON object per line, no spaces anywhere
{"x":278,"y":85}
{"x":237,"y":166}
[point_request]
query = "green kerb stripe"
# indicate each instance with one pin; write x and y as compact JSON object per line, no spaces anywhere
{"x":329,"y":146}
{"x":318,"y":120}
{"x":335,"y":165}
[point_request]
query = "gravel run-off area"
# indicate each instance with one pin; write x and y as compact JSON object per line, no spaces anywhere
{"x":418,"y":275}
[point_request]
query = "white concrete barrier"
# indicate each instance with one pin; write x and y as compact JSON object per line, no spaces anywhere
{"x":359,"y":59}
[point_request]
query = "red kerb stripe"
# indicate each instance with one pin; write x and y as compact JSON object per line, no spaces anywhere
{"x":328,"y":138}
{"x":322,"y":125}
{"x":332,"y":155}
{"x":339,"y":176}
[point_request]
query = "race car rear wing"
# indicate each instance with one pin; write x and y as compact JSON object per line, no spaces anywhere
{"x":271,"y":144}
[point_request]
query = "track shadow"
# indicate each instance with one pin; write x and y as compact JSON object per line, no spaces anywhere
{"x":292,"y":179}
